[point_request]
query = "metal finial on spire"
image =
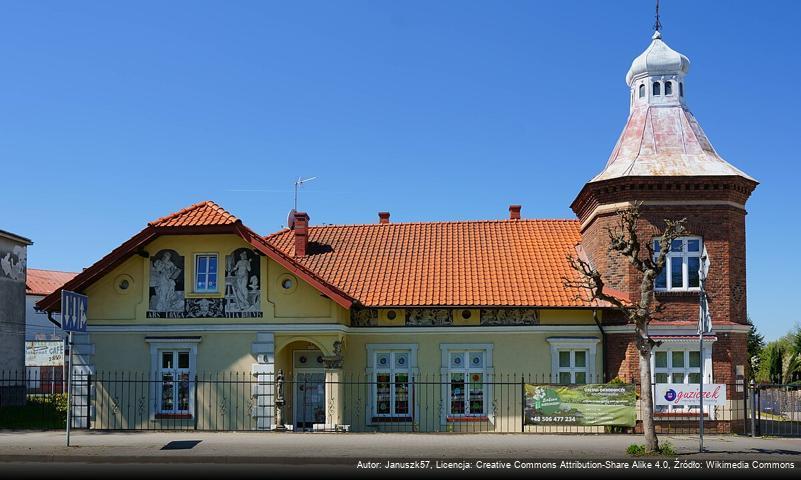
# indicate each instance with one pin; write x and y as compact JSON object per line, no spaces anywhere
{"x":657,"y":24}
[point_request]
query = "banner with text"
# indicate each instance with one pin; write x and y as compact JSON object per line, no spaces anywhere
{"x":689,"y":394}
{"x":593,"y":404}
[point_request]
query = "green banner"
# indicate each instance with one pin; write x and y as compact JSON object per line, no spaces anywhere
{"x":594,"y":404}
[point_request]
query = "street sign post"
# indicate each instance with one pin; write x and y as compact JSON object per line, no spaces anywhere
{"x":73,"y":319}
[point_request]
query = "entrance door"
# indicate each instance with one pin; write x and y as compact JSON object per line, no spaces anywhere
{"x":309,"y":389}
{"x":309,"y":399}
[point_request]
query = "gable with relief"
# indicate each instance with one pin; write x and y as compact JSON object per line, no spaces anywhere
{"x":166,"y":282}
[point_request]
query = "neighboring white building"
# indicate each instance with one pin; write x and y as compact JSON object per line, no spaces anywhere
{"x":38,"y":284}
{"x":45,"y":375}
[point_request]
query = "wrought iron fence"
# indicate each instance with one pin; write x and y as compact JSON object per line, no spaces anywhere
{"x":391,"y":402}
{"x":778,"y":409}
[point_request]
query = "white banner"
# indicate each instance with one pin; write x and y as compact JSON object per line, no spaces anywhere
{"x":44,"y":354}
{"x":689,"y":394}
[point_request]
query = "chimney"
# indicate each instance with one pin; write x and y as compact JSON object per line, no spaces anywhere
{"x":514,"y":212}
{"x":301,"y":228}
{"x":383,"y":217}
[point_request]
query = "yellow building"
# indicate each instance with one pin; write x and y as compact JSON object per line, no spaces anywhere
{"x":411,"y":326}
{"x":199,"y":322}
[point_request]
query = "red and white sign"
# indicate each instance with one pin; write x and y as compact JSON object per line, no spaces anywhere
{"x":689,"y":394}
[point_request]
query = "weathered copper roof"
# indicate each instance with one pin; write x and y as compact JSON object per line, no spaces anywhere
{"x":664,"y":141}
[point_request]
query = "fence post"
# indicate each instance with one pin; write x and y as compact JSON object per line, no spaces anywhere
{"x":89,"y":401}
{"x":522,"y":403}
{"x":196,"y":410}
{"x":753,"y":408}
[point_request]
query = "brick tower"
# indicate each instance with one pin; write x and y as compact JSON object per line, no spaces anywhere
{"x":664,"y":160}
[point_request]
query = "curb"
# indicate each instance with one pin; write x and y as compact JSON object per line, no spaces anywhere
{"x":144,"y":459}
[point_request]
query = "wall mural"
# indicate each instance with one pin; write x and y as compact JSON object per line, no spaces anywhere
{"x":166,"y":283}
{"x":242,"y":284}
{"x":242,"y":297}
{"x":12,"y":264}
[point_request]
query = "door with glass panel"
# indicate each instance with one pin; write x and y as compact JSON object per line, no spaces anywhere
{"x":309,"y":389}
{"x":174,"y":375}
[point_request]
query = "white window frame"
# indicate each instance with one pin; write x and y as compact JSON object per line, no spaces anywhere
{"x":157,"y":346}
{"x":195,"y":288}
{"x":373,"y":350}
{"x":687,"y":345}
{"x":685,"y":255}
{"x":488,"y":372}
{"x":573,"y":344}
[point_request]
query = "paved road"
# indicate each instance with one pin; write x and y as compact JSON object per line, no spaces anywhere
{"x":346,"y":449}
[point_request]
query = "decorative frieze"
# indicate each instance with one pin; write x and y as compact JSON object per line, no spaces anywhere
{"x":443,"y":317}
{"x":429,"y":317}
{"x":364,"y":317}
{"x":509,"y":316}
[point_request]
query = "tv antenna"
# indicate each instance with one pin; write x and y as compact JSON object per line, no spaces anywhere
{"x":290,"y":219}
{"x":300,"y":181}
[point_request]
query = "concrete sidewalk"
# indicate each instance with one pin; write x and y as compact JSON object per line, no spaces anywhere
{"x":346,"y":449}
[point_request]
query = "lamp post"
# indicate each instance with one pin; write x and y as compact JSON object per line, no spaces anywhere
{"x":704,"y":326}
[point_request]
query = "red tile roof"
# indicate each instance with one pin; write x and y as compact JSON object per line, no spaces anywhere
{"x":204,"y":217}
{"x":475,"y":263}
{"x":200,"y":214}
{"x":45,"y":282}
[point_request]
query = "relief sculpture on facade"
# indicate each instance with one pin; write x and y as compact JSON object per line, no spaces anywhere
{"x":509,"y":316}
{"x":428,"y":317}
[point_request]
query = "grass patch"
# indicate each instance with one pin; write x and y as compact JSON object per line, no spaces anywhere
{"x":665,"y":449}
{"x":40,"y":412}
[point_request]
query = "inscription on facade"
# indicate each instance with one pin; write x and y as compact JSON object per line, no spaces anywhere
{"x":242,"y":297}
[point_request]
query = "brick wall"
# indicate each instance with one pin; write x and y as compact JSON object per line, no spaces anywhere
{"x":730,"y":350}
{"x":721,"y":226}
{"x":716,"y":217}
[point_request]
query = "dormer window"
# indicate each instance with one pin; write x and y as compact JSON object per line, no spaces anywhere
{"x":668,"y":88}
{"x":657,"y":89}
{"x":682,"y":265}
{"x":642,"y":90}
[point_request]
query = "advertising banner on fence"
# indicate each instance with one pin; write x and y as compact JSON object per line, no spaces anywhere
{"x":689,"y":394}
{"x":44,"y":354}
{"x":594,"y":404}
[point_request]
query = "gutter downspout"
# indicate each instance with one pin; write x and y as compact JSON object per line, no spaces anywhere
{"x":603,"y":343}
{"x":52,"y":320}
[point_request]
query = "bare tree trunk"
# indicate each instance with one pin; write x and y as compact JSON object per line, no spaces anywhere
{"x":647,"y":394}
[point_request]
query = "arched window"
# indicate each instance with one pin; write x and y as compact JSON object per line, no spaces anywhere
{"x":668,"y":88}
{"x":657,"y":88}
{"x":642,"y":90}
{"x":681,"y":89}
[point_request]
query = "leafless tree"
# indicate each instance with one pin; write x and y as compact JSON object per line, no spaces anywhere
{"x":624,"y":240}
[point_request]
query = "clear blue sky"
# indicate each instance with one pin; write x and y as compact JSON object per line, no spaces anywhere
{"x":115,"y":113}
